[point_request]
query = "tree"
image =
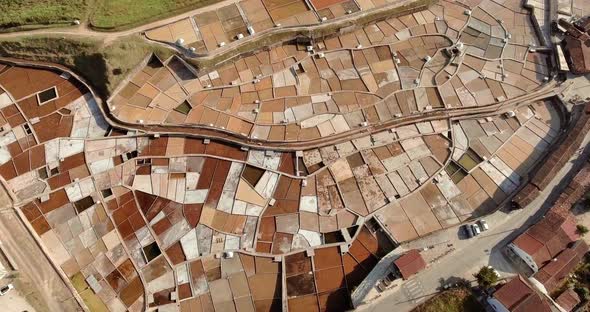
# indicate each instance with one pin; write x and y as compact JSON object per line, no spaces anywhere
{"x":581,"y":229}
{"x":583,"y":292}
{"x":486,"y":277}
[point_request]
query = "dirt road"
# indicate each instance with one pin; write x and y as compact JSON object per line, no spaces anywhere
{"x":84,"y":30}
{"x":36,"y":281}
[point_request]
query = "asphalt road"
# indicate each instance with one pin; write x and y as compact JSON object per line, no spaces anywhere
{"x":470,"y":255}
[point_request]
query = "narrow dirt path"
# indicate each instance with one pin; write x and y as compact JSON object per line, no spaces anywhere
{"x":86,"y":31}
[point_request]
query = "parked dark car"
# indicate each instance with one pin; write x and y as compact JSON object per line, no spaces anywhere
{"x":468,"y":230}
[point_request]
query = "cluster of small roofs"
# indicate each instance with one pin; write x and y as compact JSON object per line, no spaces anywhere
{"x":555,"y":161}
{"x":555,"y":250}
{"x":521,"y":295}
{"x":577,"y":44}
{"x":548,"y":238}
{"x":518,"y":295}
{"x":544,"y":240}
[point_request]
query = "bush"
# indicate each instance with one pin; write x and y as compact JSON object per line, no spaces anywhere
{"x":583,"y":292}
{"x":581,"y":229}
{"x":486,"y":277}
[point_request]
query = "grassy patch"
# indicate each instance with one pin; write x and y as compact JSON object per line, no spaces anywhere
{"x":16,"y":13}
{"x":111,"y":15}
{"x":106,"y":15}
{"x":456,"y":300}
{"x":104,"y":67}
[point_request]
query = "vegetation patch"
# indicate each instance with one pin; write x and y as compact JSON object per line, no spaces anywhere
{"x":104,"y":67}
{"x":17,"y":13}
{"x":579,"y":281}
{"x":106,"y":15}
{"x":112,"y":15}
{"x":455,"y":300}
{"x":581,"y":229}
{"x":487,"y":277}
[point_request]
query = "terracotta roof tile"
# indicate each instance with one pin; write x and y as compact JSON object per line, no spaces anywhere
{"x":568,"y":300}
{"x":548,"y":237}
{"x":555,"y":271}
{"x":577,"y":47}
{"x":518,"y":295}
{"x":410,"y":263}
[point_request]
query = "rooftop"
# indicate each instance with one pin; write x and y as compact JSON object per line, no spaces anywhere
{"x":555,"y":271}
{"x":568,"y":300}
{"x":577,"y":45}
{"x":547,"y":238}
{"x":517,"y":295}
{"x":410,"y":263}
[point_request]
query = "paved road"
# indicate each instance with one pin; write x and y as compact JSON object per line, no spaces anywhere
{"x":470,"y":255}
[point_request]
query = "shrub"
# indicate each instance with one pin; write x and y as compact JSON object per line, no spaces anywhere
{"x":583,"y":292}
{"x":581,"y":229}
{"x":486,"y":277}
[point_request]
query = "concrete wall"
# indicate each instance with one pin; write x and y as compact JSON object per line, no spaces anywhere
{"x":496,"y":305}
{"x":525,"y":257}
{"x":538,"y":285}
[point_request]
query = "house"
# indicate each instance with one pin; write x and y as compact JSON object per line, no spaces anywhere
{"x":518,"y":295}
{"x":576,"y":45}
{"x":553,"y":273}
{"x":568,"y":300}
{"x":410,"y":263}
{"x":545,"y":240}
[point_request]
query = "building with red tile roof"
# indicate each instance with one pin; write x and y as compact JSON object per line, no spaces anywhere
{"x":410,"y":263}
{"x":554,"y":162}
{"x":518,"y":295}
{"x":576,"y":45}
{"x":545,"y":240}
{"x":568,"y":300}
{"x":553,"y":273}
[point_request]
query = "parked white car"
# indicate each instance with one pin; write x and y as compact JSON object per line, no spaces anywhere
{"x":484,"y":225}
{"x":4,"y":290}
{"x":476,"y":229}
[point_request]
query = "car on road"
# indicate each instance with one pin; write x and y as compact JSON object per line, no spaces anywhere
{"x":476,"y":229}
{"x":483,"y":225}
{"x":4,"y":290}
{"x":468,"y":231}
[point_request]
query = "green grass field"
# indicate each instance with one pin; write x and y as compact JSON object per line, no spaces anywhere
{"x":107,"y":15}
{"x":16,"y":13}
{"x":122,"y":14}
